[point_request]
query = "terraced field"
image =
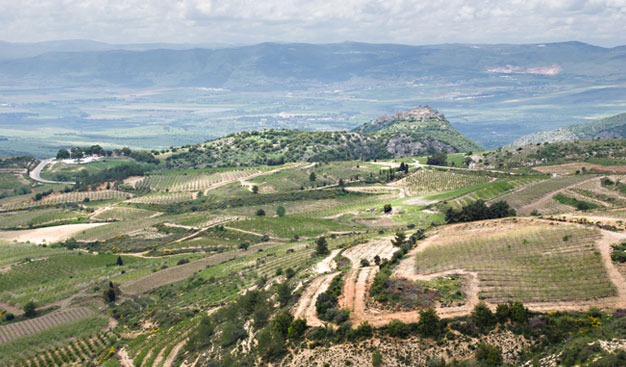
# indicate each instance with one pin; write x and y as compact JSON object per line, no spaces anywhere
{"x":26,"y":219}
{"x":192,"y":181}
{"x":121,"y":213}
{"x":70,"y":197}
{"x":536,"y":196}
{"x":24,"y":328}
{"x":536,"y":263}
{"x":434,"y":180}
{"x":163,"y":199}
{"x":494,"y":190}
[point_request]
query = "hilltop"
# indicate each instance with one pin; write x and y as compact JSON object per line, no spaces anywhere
{"x":606,"y":128}
{"x":421,"y":130}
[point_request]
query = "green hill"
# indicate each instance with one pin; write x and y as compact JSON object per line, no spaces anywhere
{"x":419,"y":131}
{"x":613,"y":127}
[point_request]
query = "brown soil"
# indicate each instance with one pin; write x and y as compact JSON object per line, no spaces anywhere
{"x":46,"y":234}
{"x":306,"y":304}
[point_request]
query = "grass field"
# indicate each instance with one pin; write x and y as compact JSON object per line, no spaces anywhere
{"x":536,"y":263}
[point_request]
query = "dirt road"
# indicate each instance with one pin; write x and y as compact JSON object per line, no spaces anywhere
{"x":306,"y":304}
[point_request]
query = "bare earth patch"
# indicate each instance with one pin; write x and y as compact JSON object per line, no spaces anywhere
{"x":46,"y":234}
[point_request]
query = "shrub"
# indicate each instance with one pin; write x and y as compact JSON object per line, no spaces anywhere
{"x":387,"y":208}
{"x":280,"y":211}
{"x":296,"y":329}
{"x":260,"y":213}
{"x":488,"y":355}
{"x":518,"y":312}
{"x":397,"y":329}
{"x":482,"y":317}
{"x":377,"y":359}
{"x":365,"y":262}
{"x":289,"y":273}
{"x":502,"y":313}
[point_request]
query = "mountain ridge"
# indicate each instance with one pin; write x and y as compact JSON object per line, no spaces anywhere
{"x":604,"y":128}
{"x":397,"y":136}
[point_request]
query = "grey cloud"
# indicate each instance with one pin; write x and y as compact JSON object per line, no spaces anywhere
{"x":245,"y":21}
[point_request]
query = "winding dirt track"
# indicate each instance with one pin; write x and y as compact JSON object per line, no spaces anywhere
{"x":358,"y":280}
{"x":305,"y":307}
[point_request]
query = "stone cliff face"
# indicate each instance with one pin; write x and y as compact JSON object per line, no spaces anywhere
{"x":418,"y":131}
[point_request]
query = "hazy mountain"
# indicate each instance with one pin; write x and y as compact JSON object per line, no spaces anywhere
{"x":606,"y":128}
{"x":17,"y":50}
{"x":272,"y":65}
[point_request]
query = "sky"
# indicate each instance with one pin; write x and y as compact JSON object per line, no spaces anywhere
{"x":600,"y":22}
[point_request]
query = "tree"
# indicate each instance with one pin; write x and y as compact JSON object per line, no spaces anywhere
{"x":341,"y":182}
{"x":30,"y":309}
{"x":119,"y":261}
{"x":312,"y":177}
{"x":321,"y":246}
{"x":63,"y":154}
{"x":289,"y":273}
{"x":280,"y":211}
{"x":399,"y":239}
{"x":438,"y":159}
{"x":387,"y":208}
{"x":255,"y":189}
{"x":260,"y":213}
{"x":429,"y":323}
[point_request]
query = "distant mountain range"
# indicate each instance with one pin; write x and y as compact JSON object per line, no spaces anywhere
{"x":273,"y":65}
{"x":419,"y":131}
{"x":606,"y":128}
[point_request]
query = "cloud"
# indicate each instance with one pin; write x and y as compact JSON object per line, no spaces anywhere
{"x":246,"y":21}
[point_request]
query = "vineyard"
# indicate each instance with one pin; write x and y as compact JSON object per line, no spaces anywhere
{"x":164,"y":199}
{"x":493,"y":190}
{"x":122,"y":213}
{"x":23,"y":328}
{"x":72,"y":352}
{"x":536,"y":263}
{"x":26,"y":219}
{"x":192,"y":181}
{"x":289,"y":226}
{"x":434,"y":180}
{"x":533,"y":192}
{"x":70,"y":197}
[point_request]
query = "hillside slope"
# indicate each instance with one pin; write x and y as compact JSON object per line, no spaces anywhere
{"x":421,"y":130}
{"x":613,"y":127}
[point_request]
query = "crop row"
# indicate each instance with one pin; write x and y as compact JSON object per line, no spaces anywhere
{"x":23,"y":328}
{"x":432,"y":180}
{"x":560,"y":263}
{"x":68,"y":197}
{"x":190,"y":182}
{"x":162,"y":199}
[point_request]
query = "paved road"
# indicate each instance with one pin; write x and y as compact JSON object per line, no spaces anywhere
{"x":35,"y":173}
